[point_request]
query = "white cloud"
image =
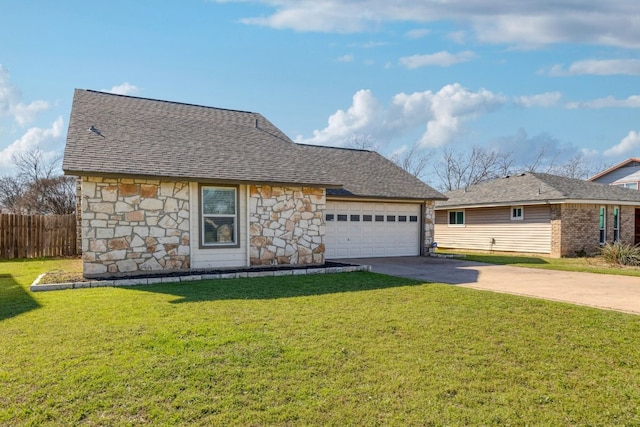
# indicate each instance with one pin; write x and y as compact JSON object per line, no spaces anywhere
{"x":439,"y":117}
{"x":459,"y":37}
{"x":345,"y":58}
{"x":11,"y":104}
{"x":417,"y":33}
{"x":608,"y":67}
{"x":601,"y":22}
{"x":34,"y":138}
{"x":629,"y":145}
{"x":548,"y":99}
{"x":361,"y":116}
{"x":123,"y":89}
{"x":440,"y":59}
{"x":632,"y":101}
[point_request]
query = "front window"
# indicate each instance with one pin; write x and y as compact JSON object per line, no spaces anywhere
{"x":603,"y":225}
{"x":616,"y":224}
{"x":456,"y":217}
{"x":517,"y":213}
{"x":219,"y":209}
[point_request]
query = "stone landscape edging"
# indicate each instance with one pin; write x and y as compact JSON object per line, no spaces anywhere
{"x":36,"y":286}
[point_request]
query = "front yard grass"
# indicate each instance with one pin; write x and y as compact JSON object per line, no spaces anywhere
{"x":343,"y":349}
{"x":595,"y":264}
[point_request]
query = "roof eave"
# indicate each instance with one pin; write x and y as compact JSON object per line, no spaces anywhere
{"x":77,"y":172}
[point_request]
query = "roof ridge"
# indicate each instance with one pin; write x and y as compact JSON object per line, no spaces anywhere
{"x":168,"y":102}
{"x":336,"y":148}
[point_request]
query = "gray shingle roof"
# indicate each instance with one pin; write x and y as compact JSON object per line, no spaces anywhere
{"x":152,"y":138}
{"x":533,"y":188}
{"x":367,"y":173}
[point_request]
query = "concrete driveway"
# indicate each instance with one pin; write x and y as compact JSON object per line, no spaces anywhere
{"x":621,"y":293}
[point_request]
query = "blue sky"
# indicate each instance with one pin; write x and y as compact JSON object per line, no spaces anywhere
{"x":563,"y":75}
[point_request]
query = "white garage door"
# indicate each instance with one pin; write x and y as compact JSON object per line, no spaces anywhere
{"x":360,"y":230}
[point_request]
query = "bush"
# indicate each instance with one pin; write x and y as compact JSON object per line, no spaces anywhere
{"x":621,"y":253}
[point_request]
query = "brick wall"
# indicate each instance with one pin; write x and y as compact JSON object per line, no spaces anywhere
{"x":575,"y":228}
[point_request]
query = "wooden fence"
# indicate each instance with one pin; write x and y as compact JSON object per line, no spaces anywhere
{"x":33,"y":236}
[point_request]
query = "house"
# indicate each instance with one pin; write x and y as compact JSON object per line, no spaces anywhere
{"x":171,"y":186}
{"x":625,"y":174}
{"x":538,"y":213}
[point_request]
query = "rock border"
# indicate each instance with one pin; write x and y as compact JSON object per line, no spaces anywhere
{"x":36,"y":286}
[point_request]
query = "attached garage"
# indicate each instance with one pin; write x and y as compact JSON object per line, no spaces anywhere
{"x":357,"y":229}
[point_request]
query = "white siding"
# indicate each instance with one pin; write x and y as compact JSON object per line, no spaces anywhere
{"x":492,"y":229}
{"x":218,"y":257}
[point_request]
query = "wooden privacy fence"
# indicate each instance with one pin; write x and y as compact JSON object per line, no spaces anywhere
{"x":33,"y":236}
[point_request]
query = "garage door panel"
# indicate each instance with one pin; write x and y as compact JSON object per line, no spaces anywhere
{"x":372,"y":229}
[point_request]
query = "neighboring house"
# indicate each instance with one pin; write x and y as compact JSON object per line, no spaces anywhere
{"x":172,"y":186}
{"x":625,"y":174}
{"x":538,"y":213}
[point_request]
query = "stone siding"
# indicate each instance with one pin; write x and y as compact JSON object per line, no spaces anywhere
{"x":133,"y":225}
{"x":429,"y":226}
{"x":286,"y":225}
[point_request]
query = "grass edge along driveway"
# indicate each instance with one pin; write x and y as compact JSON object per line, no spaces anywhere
{"x":346,"y":349}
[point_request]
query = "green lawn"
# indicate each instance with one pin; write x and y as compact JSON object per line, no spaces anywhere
{"x":584,"y":264}
{"x":337,"y":350}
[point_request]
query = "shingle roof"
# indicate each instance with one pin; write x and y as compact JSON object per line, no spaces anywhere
{"x":152,"y":138}
{"x":531,"y":188}
{"x":367,"y":173}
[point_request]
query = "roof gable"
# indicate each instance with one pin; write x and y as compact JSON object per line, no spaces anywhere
{"x":145,"y":137}
{"x":624,"y":171}
{"x":532,"y":188}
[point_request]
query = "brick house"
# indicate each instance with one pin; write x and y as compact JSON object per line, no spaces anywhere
{"x":537,"y":213}
{"x":170,"y":186}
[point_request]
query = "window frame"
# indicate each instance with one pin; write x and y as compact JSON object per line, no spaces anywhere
{"x":235,"y":216}
{"x":602,"y":224}
{"x":456,"y":212}
{"x":616,"y":223}
{"x":517,"y":217}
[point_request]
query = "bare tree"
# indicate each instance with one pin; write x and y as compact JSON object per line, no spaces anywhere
{"x":413,"y":161}
{"x":12,"y":190}
{"x":32,"y":166}
{"x":36,"y":189}
{"x":459,"y":170}
{"x":361,"y":142}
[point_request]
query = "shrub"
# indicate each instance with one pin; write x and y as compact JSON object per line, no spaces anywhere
{"x":621,"y":253}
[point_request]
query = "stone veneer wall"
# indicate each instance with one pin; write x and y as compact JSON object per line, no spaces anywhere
{"x":132,"y":225}
{"x":286,"y":225}
{"x":429,"y":226}
{"x":78,"y":215}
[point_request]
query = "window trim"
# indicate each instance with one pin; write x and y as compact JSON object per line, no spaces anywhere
{"x":616,"y":223}
{"x":237,"y":225}
{"x":457,"y":211}
{"x":516,"y":217}
{"x":602,"y":224}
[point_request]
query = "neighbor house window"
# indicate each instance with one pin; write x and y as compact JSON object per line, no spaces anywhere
{"x":616,"y":224}
{"x":219,"y":216}
{"x":456,"y":217}
{"x":632,"y":185}
{"x":517,"y":213}
{"x":603,"y":224}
